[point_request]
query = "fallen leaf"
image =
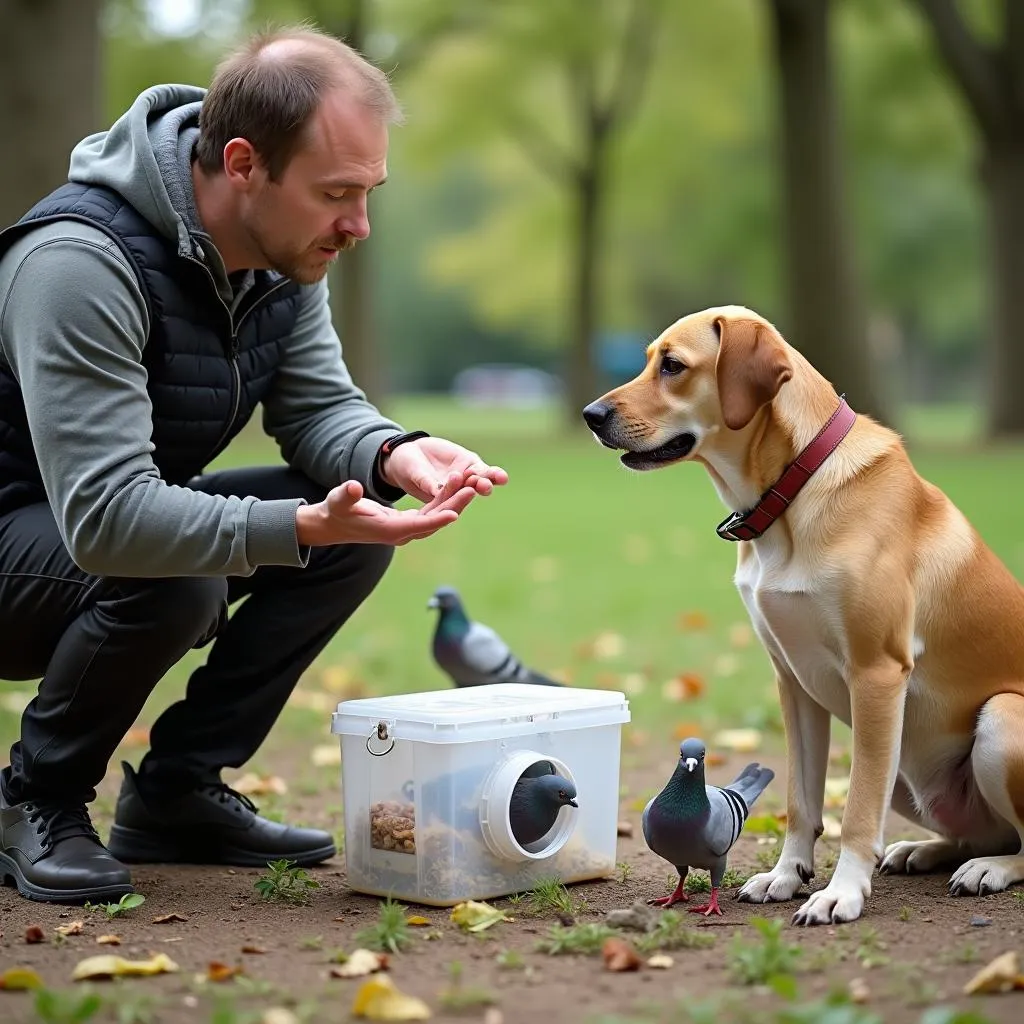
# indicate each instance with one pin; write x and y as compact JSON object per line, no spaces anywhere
{"x":693,"y":621}
{"x":251,"y":784}
{"x":108,"y":940}
{"x":1001,"y":975}
{"x":608,"y":645}
{"x":713,"y":759}
{"x":138,"y":737}
{"x":740,"y":635}
{"x":475,"y":917}
{"x":360,"y":963}
{"x":619,"y":955}
{"x":74,"y":928}
{"x":278,"y":1015}
{"x":833,"y":827}
{"x":378,"y":999}
{"x":217,"y":971}
{"x":20,"y":979}
{"x":660,"y":961}
{"x":684,"y":730}
{"x":836,"y":792}
{"x":418,"y":921}
{"x":624,"y":829}
{"x":859,"y":991}
{"x":253,"y":949}
{"x":110,"y":966}
{"x":633,"y":684}
{"x":726,"y":665}
{"x":766,"y":824}
{"x":169,"y":918}
{"x":33,"y":934}
{"x":740,"y":740}
{"x":326,"y":754}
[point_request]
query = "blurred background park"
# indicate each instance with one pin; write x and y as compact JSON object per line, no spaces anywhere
{"x":573,"y":176}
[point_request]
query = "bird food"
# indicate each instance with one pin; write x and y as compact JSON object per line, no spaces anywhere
{"x":475,"y":793}
{"x":393,"y":826}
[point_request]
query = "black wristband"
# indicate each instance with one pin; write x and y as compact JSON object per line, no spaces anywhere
{"x":393,"y":442}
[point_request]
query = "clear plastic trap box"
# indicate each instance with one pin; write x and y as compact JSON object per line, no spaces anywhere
{"x":427,"y":779}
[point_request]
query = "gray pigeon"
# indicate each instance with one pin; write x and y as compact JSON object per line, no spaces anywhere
{"x":472,"y":653}
{"x":693,"y":825}
{"x":535,"y":803}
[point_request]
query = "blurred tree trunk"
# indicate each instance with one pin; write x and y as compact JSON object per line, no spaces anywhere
{"x":351,"y":279}
{"x":826,"y":317}
{"x":49,"y":94}
{"x":991,"y":79}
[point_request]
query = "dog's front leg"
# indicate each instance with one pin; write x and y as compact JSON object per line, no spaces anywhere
{"x":877,"y":697}
{"x":807,"y":726}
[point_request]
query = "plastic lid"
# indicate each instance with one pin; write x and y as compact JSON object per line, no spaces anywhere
{"x":481,"y":712}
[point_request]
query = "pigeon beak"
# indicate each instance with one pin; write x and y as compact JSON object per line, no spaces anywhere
{"x":572,"y":803}
{"x":691,"y":763}
{"x":433,"y":603}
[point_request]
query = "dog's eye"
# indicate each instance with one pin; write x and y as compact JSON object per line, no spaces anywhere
{"x":671,"y":366}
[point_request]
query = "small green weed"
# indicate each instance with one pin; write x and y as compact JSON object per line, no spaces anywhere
{"x":754,"y":963}
{"x":457,"y":997}
{"x":284,"y":882}
{"x":549,"y":895}
{"x":580,"y":938}
{"x":671,"y":932}
{"x":391,"y":931}
{"x":56,"y":1007}
{"x":129,"y":901}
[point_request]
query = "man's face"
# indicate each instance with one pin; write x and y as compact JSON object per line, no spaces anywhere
{"x":318,"y":206}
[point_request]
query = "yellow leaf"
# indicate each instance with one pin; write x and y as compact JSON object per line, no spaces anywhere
{"x":660,"y":961}
{"x":20,"y":979}
{"x":836,"y":791}
{"x":326,"y":754}
{"x":110,"y":966}
{"x":693,"y":621}
{"x":378,"y":999}
{"x":741,"y":740}
{"x":768,"y":824}
{"x":475,"y":917}
{"x":418,"y":921}
{"x":1001,"y":975}
{"x":740,"y":635}
{"x":360,"y":963}
{"x":217,"y":971}
{"x":108,"y":940}
{"x":74,"y":928}
{"x":252,"y":784}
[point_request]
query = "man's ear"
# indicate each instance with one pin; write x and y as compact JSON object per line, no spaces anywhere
{"x":752,"y":365}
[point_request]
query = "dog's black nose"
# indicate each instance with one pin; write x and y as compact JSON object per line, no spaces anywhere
{"x":597,"y":415}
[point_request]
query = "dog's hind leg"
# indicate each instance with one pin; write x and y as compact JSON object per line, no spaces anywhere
{"x":998,"y":764}
{"x":917,"y":856}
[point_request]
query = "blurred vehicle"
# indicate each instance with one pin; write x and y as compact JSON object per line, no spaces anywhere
{"x":506,"y":384}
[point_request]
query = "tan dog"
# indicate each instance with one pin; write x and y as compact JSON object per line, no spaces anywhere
{"x":875,"y":599}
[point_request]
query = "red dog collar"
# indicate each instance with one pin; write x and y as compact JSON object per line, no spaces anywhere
{"x":751,"y":525}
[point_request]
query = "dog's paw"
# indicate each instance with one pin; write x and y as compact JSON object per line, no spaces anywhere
{"x":983,"y":875}
{"x":832,"y":905}
{"x":775,"y":886}
{"x":917,"y":858}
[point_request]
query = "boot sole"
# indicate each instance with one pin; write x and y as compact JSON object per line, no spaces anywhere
{"x":135,"y":846}
{"x":13,"y":875}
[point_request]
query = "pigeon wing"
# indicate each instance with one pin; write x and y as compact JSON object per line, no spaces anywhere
{"x":725,"y":823}
{"x":485,"y":652}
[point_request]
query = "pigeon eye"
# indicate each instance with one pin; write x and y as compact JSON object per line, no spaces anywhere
{"x":671,"y":367}
{"x":561,"y":794}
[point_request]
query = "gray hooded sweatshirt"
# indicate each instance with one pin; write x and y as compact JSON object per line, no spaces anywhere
{"x":73,"y":325}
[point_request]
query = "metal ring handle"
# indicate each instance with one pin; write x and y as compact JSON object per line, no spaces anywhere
{"x":382,"y":735}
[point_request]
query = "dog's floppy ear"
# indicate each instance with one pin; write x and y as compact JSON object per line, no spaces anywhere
{"x":751,"y":367}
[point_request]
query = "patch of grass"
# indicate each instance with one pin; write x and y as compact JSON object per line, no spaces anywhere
{"x":458,"y":998}
{"x":624,"y":871}
{"x":580,"y":938}
{"x":550,"y":896}
{"x":54,"y":1006}
{"x":129,"y":901}
{"x":871,"y":949}
{"x":284,"y":882}
{"x":756,"y":963}
{"x":510,"y":960}
{"x":671,"y":932}
{"x":768,"y":856}
{"x":904,"y":913}
{"x":312,"y":942}
{"x":390,"y":933}
{"x":732,"y":879}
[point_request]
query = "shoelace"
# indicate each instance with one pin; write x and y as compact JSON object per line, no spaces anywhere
{"x":55,"y":822}
{"x":225,"y":794}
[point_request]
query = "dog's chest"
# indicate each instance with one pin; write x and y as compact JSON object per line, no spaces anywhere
{"x":799,"y":626}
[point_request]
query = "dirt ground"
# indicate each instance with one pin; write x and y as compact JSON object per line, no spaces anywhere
{"x":914,"y":948}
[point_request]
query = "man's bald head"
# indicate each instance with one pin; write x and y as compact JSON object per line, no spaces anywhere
{"x":268,"y":90}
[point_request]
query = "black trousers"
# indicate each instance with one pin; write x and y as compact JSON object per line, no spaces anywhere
{"x":100,"y":646}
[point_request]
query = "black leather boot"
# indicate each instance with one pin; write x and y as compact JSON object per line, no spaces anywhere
{"x":211,"y":824}
{"x":52,"y":853}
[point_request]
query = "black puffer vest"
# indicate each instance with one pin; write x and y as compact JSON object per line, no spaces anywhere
{"x":207,"y":370}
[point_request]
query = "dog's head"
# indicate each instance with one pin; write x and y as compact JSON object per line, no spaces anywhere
{"x":709,"y":372}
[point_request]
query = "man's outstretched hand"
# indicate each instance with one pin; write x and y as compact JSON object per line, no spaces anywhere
{"x":429,"y":467}
{"x":346,"y":517}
